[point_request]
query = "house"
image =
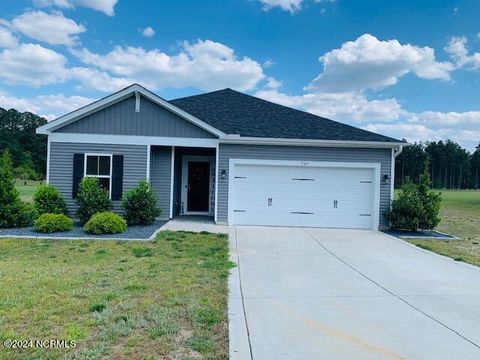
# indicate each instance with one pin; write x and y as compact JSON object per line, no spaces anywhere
{"x":232,"y":156}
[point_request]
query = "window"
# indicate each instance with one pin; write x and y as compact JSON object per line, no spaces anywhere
{"x":99,"y":166}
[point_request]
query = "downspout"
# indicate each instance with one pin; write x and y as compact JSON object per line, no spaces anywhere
{"x":395,"y":152}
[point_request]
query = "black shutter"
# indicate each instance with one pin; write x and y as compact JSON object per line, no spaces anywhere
{"x":117,"y":177}
{"x":78,"y":168}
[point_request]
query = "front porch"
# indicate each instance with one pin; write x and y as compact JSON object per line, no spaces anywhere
{"x":184,"y":179}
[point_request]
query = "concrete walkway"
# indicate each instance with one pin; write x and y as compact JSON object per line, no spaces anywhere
{"x":348,"y":294}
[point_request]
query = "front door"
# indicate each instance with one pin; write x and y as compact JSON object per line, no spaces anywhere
{"x":198,"y":188}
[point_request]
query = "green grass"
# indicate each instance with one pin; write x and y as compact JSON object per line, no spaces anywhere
{"x":460,"y":212}
{"x":27,"y":189}
{"x":118,"y":300}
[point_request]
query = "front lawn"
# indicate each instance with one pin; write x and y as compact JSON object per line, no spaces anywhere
{"x":460,"y":212}
{"x":165,"y":299}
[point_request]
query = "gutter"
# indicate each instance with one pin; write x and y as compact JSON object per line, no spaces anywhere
{"x":235,"y":139}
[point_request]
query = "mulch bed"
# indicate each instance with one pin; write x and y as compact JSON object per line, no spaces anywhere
{"x":132,"y":233}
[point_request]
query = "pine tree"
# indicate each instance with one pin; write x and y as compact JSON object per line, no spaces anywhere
{"x":13,"y":211}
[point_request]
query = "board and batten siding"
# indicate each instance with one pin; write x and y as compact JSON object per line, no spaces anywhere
{"x":61,"y":166}
{"x":121,"y":119}
{"x":300,"y":153}
{"x":160,"y":176}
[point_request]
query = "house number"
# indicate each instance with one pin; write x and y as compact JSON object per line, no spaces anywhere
{"x":305,"y":163}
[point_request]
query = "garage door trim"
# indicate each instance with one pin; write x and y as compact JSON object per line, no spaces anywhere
{"x":338,"y":164}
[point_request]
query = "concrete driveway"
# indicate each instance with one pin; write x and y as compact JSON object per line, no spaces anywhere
{"x":348,"y":294}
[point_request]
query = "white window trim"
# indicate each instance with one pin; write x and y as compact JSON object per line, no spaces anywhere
{"x":99,"y":176}
{"x":376,"y":167}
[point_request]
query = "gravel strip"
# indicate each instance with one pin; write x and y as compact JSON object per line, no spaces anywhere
{"x":420,"y":234}
{"x":132,"y":232}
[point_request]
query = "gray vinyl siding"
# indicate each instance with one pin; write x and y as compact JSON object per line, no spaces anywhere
{"x":61,"y":166}
{"x":121,"y":119}
{"x":160,"y":175}
{"x":228,"y":151}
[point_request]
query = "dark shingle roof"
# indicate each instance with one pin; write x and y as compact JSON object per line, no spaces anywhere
{"x":236,"y":113}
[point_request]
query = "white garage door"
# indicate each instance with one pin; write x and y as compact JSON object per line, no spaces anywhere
{"x":336,"y":197}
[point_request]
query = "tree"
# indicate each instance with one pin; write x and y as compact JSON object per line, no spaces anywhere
{"x":417,"y":206}
{"x":17,"y":133}
{"x":475,"y":167}
{"x":13,"y":211}
{"x":430,"y":201}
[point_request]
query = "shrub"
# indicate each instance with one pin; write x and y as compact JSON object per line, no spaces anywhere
{"x":48,"y":200}
{"x":431,"y":202}
{"x":13,"y":211}
{"x":417,"y":207}
{"x":407,"y":209}
{"x":91,"y":199}
{"x":49,"y":223}
{"x":105,"y":223}
{"x":141,"y":205}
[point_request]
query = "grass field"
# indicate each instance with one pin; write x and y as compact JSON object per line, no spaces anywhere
{"x":26,"y":188}
{"x":460,"y":212}
{"x":118,"y":300}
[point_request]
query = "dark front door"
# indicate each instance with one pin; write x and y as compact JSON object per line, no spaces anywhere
{"x":198,"y":186}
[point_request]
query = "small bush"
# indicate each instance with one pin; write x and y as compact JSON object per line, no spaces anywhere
{"x":49,"y":223}
{"x":417,"y":207}
{"x":105,"y":223}
{"x":91,"y":199}
{"x":13,"y":211}
{"x":141,"y":205}
{"x":406,"y":210}
{"x":48,"y":200}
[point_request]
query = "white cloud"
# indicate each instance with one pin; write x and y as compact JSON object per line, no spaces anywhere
{"x":269,"y":63}
{"x":353,"y":107}
{"x":368,"y":63}
{"x":33,"y":65}
{"x":287,"y":5}
{"x":7,"y":39}
{"x":411,"y":132}
{"x":207,"y":65}
{"x":54,"y":29}
{"x":385,"y":116}
{"x":273,"y":83}
{"x":48,"y":106}
{"x":105,"y":6}
{"x":458,"y":51}
{"x":148,"y":32}
{"x":91,"y":78}
{"x":447,"y":118}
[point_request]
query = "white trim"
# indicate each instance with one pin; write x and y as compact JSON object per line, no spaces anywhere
{"x":232,"y":139}
{"x":137,"y":101}
{"x":172,"y":182}
{"x":147,"y":170}
{"x":85,"y":155}
{"x":119,"y":96}
{"x":47,"y":177}
{"x":133,"y":140}
{"x":215,"y":212}
{"x":185,"y":160}
{"x":359,"y":165}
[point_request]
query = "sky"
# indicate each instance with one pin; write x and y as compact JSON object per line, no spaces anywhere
{"x":407,"y":69}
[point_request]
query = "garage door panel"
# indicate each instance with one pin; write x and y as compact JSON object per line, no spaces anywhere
{"x":303,"y":196}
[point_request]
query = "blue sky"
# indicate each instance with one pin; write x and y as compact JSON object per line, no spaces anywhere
{"x":409,"y":69}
